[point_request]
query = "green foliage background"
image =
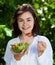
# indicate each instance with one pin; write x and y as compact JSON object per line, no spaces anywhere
{"x":45,"y":10}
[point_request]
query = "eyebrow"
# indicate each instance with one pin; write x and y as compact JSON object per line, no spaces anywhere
{"x":27,"y":18}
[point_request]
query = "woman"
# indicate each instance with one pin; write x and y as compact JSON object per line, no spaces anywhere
{"x":26,"y":28}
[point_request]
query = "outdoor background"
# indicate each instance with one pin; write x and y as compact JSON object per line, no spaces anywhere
{"x":45,"y":10}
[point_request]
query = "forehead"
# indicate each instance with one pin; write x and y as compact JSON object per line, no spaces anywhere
{"x":25,"y":15}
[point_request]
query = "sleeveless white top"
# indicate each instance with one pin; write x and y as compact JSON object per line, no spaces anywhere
{"x":32,"y":57}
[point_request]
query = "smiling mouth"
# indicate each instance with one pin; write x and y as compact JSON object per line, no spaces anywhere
{"x":25,"y":28}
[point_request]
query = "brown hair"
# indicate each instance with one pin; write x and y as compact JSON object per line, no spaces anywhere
{"x":22,"y":9}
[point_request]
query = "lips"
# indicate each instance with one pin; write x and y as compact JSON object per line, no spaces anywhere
{"x":24,"y":28}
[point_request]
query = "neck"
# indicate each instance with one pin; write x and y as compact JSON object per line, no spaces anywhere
{"x":24,"y":38}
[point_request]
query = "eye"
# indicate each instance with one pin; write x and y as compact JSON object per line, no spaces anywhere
{"x":20,"y":20}
{"x":28,"y":20}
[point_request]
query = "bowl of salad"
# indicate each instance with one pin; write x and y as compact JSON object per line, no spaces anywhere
{"x":18,"y":47}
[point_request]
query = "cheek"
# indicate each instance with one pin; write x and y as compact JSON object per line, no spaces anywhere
{"x":32,"y":24}
{"x":19,"y":25}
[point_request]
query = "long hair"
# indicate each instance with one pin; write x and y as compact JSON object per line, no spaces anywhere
{"x":20,"y":10}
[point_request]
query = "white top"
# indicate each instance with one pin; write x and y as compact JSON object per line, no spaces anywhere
{"x":32,"y":57}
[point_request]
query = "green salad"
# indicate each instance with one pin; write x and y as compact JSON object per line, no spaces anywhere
{"x":19,"y":47}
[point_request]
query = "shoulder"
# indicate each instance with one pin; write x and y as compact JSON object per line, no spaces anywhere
{"x":41,"y":37}
{"x":44,"y":39}
{"x":14,"y":40}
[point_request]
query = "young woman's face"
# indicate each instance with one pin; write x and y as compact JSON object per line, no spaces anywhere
{"x":26,"y":22}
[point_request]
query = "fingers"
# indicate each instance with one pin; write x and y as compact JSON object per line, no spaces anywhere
{"x":22,"y":52}
{"x":41,"y":43}
{"x":26,"y":51}
{"x":41,"y":46}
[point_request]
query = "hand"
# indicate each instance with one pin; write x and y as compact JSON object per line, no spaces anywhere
{"x":18,"y":56}
{"x":41,"y":46}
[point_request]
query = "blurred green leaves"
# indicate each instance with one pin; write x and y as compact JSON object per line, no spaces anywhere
{"x":6,"y":30}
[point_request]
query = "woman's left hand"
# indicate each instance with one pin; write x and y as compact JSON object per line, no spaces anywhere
{"x":41,"y":46}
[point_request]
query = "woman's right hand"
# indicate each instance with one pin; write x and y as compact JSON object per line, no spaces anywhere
{"x":18,"y":56}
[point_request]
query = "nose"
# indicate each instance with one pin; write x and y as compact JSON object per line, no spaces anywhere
{"x":24,"y":23}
